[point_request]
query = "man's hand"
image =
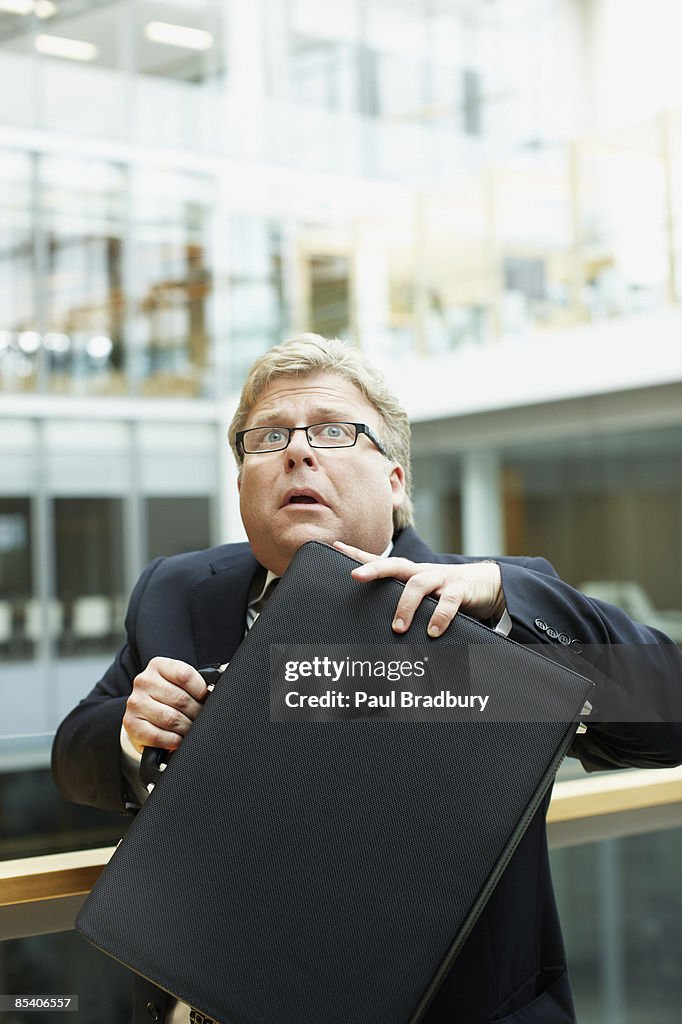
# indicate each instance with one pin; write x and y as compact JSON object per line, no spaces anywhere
{"x":476,"y":587}
{"x":167,"y":696}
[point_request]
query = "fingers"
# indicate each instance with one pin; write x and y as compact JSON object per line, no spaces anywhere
{"x":475,"y":587}
{"x":177,"y":673}
{"x":167,"y":697}
{"x":357,"y":553}
{"x":384,"y":568}
{"x":375,"y":567}
{"x":419,"y":580}
{"x":416,"y":589}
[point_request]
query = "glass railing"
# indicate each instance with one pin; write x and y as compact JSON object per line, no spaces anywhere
{"x":619,"y":899}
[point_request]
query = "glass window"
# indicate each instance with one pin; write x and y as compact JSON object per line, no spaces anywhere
{"x":324,"y":73}
{"x":16,"y":578}
{"x":394,"y":77}
{"x":181,"y":41}
{"x":178,"y":459}
{"x":456,"y":266}
{"x":383,"y":277}
{"x":328,"y":78}
{"x":175,"y":525}
{"x":606,"y":513}
{"x":179,"y":53}
{"x":17,"y":63}
{"x":518,"y":50}
{"x":620,"y":904}
{"x":80,"y":47}
{"x":623,"y":243}
{"x":36,"y":819}
{"x":83,"y":458}
{"x":82,"y":210}
{"x":672,"y":136}
{"x":257,"y":308}
{"x":66,"y":963}
{"x":330,"y":295}
{"x":88,"y":538}
{"x":172,"y":282}
{"x":437,"y":501}
{"x":19,"y":340}
{"x":324,"y":56}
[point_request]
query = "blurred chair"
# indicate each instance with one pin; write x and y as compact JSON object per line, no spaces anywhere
{"x":91,"y":619}
{"x":5,"y":623}
{"x":635,"y":602}
{"x":119,"y":605}
{"x":33,"y":620}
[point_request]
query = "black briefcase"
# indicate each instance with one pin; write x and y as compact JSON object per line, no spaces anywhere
{"x":328,"y":871}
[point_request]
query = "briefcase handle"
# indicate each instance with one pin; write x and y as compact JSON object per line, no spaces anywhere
{"x":155,"y":759}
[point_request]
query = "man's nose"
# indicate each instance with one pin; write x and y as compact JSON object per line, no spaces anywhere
{"x":299,"y":451}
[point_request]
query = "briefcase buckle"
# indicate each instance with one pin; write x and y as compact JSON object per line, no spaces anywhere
{"x":197,"y":1017}
{"x":585,"y":711}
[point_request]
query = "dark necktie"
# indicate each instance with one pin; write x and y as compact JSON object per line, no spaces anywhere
{"x":257,"y":607}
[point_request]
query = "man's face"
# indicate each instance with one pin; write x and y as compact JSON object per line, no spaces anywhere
{"x":289,"y":497}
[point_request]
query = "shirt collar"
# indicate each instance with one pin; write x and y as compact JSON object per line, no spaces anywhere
{"x":270,"y":576}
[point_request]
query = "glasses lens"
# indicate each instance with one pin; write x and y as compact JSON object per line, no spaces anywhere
{"x":265,"y":439}
{"x":332,"y":435}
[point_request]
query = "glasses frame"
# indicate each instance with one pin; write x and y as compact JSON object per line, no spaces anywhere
{"x":360,"y":428}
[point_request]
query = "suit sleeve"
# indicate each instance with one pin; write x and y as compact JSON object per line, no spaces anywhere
{"x":86,"y":753}
{"x":637,"y":670}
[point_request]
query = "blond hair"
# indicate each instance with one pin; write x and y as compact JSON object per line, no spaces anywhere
{"x":311,"y":353}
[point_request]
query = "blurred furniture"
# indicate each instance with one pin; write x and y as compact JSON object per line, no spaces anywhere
{"x":5,"y":623}
{"x":119,"y":604}
{"x":635,"y":602}
{"x":34,"y":624}
{"x":91,"y":619}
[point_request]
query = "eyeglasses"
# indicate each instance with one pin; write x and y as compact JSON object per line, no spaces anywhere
{"x":259,"y":440}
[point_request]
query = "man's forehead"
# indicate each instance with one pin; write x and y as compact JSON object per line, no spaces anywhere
{"x":327,"y":393}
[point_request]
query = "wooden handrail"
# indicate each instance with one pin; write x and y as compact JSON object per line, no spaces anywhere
{"x":62,"y":875}
{"x":54,"y":876}
{"x":614,"y":793}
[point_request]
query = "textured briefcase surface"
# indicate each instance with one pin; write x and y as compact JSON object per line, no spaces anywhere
{"x":328,"y":872}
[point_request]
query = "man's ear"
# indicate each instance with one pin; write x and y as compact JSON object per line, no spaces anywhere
{"x":397,"y":479}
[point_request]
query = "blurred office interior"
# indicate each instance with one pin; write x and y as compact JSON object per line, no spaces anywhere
{"x":485,"y":196}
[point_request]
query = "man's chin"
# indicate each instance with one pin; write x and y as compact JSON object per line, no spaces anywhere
{"x":301,"y":533}
{"x":289,"y":539}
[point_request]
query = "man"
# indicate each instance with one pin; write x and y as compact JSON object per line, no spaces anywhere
{"x":323,"y":451}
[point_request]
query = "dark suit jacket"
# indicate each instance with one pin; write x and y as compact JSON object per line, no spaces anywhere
{"x":193,"y":607}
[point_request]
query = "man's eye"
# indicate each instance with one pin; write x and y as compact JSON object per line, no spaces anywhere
{"x":334,"y":431}
{"x":273,"y":437}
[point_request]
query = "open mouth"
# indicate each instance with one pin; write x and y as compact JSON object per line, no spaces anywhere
{"x":305,"y":497}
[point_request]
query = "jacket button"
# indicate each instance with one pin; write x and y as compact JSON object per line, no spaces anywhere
{"x":153,"y":1011}
{"x":552,"y":633}
{"x":564,"y":638}
{"x":576,"y":647}
{"x":541,"y":624}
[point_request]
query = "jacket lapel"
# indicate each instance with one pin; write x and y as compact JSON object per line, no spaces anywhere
{"x":218,"y":603}
{"x":218,"y":606}
{"x":408,"y":544}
